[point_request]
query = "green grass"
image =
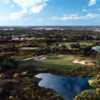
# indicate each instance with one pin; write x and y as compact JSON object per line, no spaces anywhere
{"x":59,"y":60}
{"x":63,"y":62}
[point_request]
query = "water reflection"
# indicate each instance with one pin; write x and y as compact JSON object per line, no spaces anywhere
{"x":68,"y":87}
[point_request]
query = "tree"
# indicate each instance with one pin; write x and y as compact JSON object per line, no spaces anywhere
{"x":98,"y":60}
{"x":91,"y":94}
{"x":8,"y":63}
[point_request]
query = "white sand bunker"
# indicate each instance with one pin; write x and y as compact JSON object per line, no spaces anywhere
{"x":84,"y":62}
{"x":40,"y":58}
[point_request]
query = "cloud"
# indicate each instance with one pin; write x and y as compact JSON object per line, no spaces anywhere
{"x":77,"y":17}
{"x":92,"y":2}
{"x":38,"y":7}
{"x":35,"y":6}
{"x":2,"y":18}
{"x":17,"y":15}
{"x":5,"y":1}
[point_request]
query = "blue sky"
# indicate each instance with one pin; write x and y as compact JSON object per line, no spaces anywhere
{"x":49,"y":12}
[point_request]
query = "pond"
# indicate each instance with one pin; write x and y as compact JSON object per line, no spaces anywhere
{"x":67,"y":87}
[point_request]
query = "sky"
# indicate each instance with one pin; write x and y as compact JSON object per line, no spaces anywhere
{"x":49,"y":12}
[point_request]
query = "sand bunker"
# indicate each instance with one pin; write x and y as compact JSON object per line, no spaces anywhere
{"x":84,"y":62}
{"x":40,"y":58}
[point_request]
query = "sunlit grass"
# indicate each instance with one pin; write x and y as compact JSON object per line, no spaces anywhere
{"x":63,"y":62}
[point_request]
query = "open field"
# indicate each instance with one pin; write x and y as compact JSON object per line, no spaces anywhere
{"x":59,"y":62}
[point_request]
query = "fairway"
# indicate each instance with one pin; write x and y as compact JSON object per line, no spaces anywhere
{"x":62,"y":62}
{"x":60,"y":59}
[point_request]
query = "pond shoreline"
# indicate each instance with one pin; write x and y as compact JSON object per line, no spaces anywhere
{"x":66,"y":86}
{"x":77,"y":72}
